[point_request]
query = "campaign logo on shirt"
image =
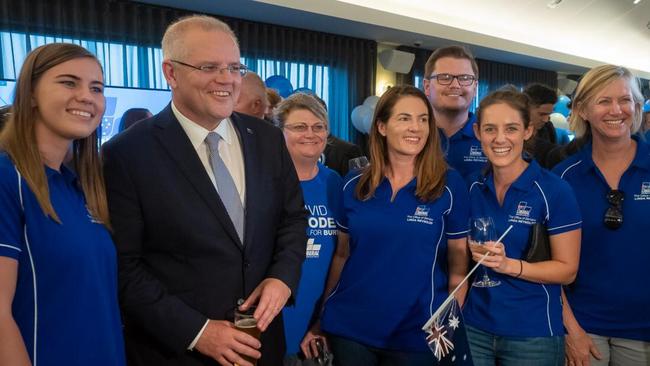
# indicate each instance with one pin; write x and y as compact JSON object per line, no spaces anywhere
{"x":319,"y":221}
{"x":645,"y":192}
{"x":313,"y":249}
{"x":475,"y":155}
{"x":420,"y":215}
{"x":522,"y":214}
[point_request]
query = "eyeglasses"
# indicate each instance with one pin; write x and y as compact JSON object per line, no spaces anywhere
{"x":447,"y":79}
{"x":614,"y":215}
{"x":303,"y":127}
{"x":210,"y":69}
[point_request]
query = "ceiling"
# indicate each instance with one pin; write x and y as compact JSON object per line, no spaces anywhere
{"x":576,"y":35}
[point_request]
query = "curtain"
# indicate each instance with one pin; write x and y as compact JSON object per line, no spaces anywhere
{"x":350,"y":61}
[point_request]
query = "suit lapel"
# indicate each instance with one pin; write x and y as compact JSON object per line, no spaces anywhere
{"x":249,"y":145}
{"x":174,"y":140}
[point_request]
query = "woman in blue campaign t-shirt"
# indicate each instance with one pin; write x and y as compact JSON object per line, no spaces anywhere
{"x":606,"y":315}
{"x":514,"y":314}
{"x":305,"y":125}
{"x":58,"y":266}
{"x":406,"y":216}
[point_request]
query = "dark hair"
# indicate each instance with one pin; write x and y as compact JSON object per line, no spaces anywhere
{"x":430,"y":165}
{"x":133,"y":115}
{"x":459,"y":52}
{"x":514,"y":99}
{"x":540,"y":94}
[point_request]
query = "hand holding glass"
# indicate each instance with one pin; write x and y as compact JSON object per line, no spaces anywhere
{"x":481,"y":231}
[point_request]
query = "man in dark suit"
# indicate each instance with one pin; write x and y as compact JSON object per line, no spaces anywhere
{"x":338,"y":153}
{"x":206,"y":209}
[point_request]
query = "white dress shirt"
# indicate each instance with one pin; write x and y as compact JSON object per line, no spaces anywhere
{"x":231,"y":154}
{"x":230,"y":151}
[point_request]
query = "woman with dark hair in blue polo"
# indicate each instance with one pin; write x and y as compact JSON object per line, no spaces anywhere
{"x":406,"y":217}
{"x":58,"y":266}
{"x":607,"y":314}
{"x":515,"y":318}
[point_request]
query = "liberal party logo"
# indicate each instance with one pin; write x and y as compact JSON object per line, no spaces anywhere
{"x":313,"y":249}
{"x":475,"y":155}
{"x":645,"y":188}
{"x":420,"y":215}
{"x":422,"y":210}
{"x":475,"y":151}
{"x":522,"y":214}
{"x":523,"y":209}
{"x":645,"y":192}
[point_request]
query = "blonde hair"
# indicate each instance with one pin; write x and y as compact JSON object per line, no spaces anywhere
{"x":173,"y":46}
{"x":592,"y":83}
{"x":430,"y":165}
{"x":18,"y":138}
{"x":299,"y":101}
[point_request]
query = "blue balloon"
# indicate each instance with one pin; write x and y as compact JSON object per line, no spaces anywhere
{"x":304,"y":91}
{"x":646,"y":106}
{"x":562,"y":105}
{"x":360,"y":116}
{"x":281,"y":84}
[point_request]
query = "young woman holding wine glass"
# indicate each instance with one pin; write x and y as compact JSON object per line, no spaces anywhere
{"x":514,"y":312}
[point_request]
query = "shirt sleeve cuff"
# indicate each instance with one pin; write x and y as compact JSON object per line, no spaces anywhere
{"x":196,"y":339}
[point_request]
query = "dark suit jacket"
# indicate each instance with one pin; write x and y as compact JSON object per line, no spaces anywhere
{"x":180,"y":259}
{"x":338,"y":153}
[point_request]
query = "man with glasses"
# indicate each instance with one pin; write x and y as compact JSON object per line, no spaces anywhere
{"x":206,"y":209}
{"x":450,"y":83}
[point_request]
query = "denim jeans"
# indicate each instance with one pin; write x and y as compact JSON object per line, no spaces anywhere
{"x":350,"y":353}
{"x":489,"y":350}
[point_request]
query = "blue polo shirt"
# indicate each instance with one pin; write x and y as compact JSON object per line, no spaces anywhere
{"x":516,"y":307}
{"x":396,"y":275}
{"x":463,"y":150}
{"x":322,"y":196}
{"x":65,"y":302}
{"x":610,"y":296}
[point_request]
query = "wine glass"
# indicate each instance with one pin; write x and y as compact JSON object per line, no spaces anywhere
{"x":482,"y":230}
{"x":358,"y":163}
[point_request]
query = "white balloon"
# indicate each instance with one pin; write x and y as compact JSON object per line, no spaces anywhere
{"x":371,"y":101}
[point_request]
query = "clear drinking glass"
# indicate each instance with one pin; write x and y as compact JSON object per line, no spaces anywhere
{"x":481,"y":231}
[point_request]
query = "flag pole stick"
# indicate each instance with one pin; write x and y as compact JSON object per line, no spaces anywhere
{"x":451,"y":295}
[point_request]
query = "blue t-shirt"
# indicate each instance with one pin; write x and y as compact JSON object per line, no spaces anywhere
{"x":516,"y":307}
{"x":322,"y":196}
{"x":65,"y":303}
{"x":396,"y":275}
{"x":610,"y":296}
{"x":463,"y":150}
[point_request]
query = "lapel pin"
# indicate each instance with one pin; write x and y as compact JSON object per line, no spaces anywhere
{"x":249,"y":130}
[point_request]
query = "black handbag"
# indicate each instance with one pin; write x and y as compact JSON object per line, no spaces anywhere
{"x":539,"y":244}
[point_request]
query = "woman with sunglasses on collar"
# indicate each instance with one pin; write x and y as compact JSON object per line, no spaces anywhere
{"x":606,"y":315}
{"x":514,"y":310}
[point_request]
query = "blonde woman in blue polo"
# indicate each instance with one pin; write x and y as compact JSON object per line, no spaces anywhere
{"x":606,"y":315}
{"x":518,"y":321}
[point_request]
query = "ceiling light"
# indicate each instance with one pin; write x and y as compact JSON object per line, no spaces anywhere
{"x":637,"y":1}
{"x":553,"y":4}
